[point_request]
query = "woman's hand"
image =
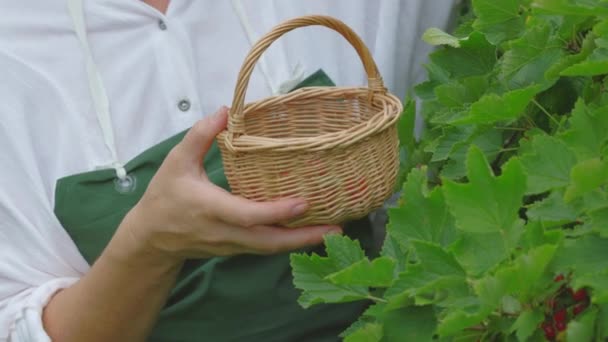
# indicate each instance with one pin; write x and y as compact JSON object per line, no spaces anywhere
{"x":184,"y":215}
{"x":181,"y":215}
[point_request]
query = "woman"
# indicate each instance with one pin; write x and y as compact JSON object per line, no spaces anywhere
{"x":115,"y":225}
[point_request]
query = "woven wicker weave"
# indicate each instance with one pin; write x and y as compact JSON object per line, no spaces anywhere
{"x":336,"y":147}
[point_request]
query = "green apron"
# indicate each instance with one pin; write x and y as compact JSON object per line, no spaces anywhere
{"x":242,"y":298}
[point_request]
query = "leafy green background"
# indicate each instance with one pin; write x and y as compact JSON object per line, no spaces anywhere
{"x":505,"y":190}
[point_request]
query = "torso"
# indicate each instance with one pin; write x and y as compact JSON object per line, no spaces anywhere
{"x":49,"y":129}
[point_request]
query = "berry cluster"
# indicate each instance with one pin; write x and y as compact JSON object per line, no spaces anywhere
{"x":566,"y":304}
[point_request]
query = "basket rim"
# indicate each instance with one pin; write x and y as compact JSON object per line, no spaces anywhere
{"x":383,"y":119}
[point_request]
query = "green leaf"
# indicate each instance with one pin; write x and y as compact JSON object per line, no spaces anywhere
{"x":586,"y":176}
{"x":510,"y":305}
{"x":552,"y":209}
{"x":493,"y":108}
{"x":592,"y":201}
{"x":526,"y":323}
{"x":459,"y":319}
{"x":587,"y":47}
{"x":435,"y":36}
{"x":535,"y":236}
{"x":521,"y":279}
{"x":582,"y":328}
{"x":596,"y":63}
{"x":358,"y":324}
{"x":525,"y":277}
{"x":451,"y":139}
{"x":487,"y":203}
{"x":588,"y":130}
{"x":458,"y":94}
{"x":391,"y":248}
{"x":479,"y":252}
{"x":568,"y":25}
{"x":409,"y":324}
{"x":436,"y":260}
{"x":488,"y":140}
{"x":413,"y":279}
{"x":423,"y":216}
{"x":437,"y":270}
{"x":599,"y":221}
{"x":528,"y":58}
{"x":583,"y":255}
{"x":474,"y":57}
{"x":343,"y":251}
{"x":419,"y":287}
{"x":602,"y":322}
{"x":548,"y":165}
{"x":406,"y":125}
{"x":371,"y":332}
{"x":498,"y":20}
{"x":425,"y":90}
{"x":377,"y":273}
{"x":309,"y":274}
{"x":570,"y":7}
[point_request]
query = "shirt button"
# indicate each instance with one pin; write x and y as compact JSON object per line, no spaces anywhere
{"x":184,"y":105}
{"x":162,"y":25}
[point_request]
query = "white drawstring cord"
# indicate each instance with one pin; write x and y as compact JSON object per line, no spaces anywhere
{"x":97,"y":89}
{"x":100,"y":97}
{"x":297,"y":76}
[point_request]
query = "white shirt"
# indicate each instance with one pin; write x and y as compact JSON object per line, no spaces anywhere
{"x":149,"y":62}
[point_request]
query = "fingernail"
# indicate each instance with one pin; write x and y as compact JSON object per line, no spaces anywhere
{"x":334,"y":231}
{"x":299,"y":209}
{"x":221,"y":111}
{"x":218,"y":115}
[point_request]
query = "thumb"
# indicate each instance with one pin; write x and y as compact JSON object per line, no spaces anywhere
{"x":198,"y":140}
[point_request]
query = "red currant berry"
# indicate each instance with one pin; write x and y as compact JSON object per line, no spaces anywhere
{"x":559,"y":278}
{"x":549,"y":331}
{"x":578,"y":308}
{"x":560,"y":316}
{"x":579,"y":295}
{"x":561,"y":326}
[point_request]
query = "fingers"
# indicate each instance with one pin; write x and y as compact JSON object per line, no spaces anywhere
{"x":246,"y":213}
{"x":272,"y":240}
{"x":232,"y":240}
{"x":200,"y":137}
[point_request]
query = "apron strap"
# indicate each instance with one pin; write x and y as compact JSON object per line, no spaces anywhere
{"x":97,"y":89}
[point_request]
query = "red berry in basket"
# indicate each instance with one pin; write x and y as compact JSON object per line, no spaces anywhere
{"x":549,"y":330}
{"x":579,"y":295}
{"x":560,"y":326}
{"x":578,"y":308}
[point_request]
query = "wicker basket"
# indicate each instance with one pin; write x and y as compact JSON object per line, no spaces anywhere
{"x":336,"y":147}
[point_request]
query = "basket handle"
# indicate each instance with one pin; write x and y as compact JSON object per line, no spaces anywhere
{"x":375,"y":83}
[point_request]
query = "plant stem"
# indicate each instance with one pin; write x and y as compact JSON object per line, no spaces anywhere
{"x":546,"y":112}
{"x":377,"y":299}
{"x":519,"y":129}
{"x":507,"y":146}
